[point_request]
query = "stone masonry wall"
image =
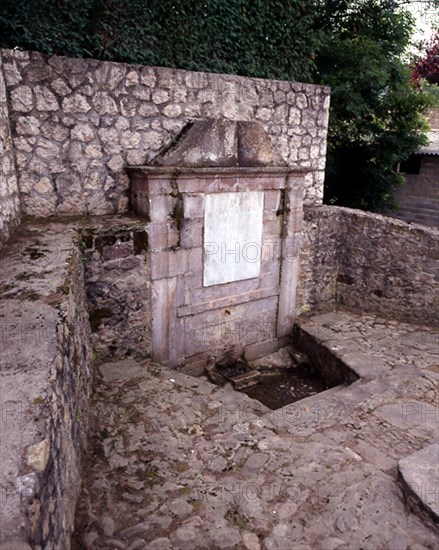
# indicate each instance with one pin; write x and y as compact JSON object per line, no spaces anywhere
{"x":46,"y":367}
{"x":77,"y":123}
{"x":370,"y":263}
{"x":418,"y":198}
{"x":9,"y":199}
{"x":117,"y":279}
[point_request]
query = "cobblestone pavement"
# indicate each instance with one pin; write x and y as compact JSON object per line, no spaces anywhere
{"x":178,"y":463}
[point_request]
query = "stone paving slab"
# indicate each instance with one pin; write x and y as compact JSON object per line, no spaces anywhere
{"x":178,"y":463}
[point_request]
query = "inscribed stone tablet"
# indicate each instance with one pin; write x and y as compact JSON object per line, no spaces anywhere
{"x":232,"y":236}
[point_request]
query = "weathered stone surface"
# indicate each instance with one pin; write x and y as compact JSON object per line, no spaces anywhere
{"x":12,"y":73}
{"x":75,"y":104}
{"x":54,"y":131}
{"x":419,"y":476}
{"x":83,"y":132}
{"x":37,"y":455}
{"x":28,"y":126}
{"x":45,"y":100}
{"x":47,"y":149}
{"x":108,"y":526}
{"x":9,"y":199}
{"x":60,"y":87}
{"x":172,"y":111}
{"x":15,"y":545}
{"x":160,"y":96}
{"x":250,"y":541}
{"x":22,"y":99}
{"x":104,"y":104}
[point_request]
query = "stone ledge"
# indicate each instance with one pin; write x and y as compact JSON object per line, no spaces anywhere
{"x":46,"y":366}
{"x":45,"y":383}
{"x":418,"y":475}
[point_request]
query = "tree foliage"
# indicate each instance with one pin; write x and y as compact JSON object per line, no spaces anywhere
{"x":427,"y":67}
{"x":354,"y":46}
{"x":375,"y":120}
{"x":273,"y":39}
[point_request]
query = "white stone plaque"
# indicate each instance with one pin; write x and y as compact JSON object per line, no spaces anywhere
{"x":232,"y":236}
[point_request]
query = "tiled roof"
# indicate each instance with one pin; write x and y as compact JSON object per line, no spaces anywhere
{"x":433,"y":146}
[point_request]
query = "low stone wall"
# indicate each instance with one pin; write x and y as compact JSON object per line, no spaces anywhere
{"x":9,"y":199}
{"x":117,"y":278}
{"x":77,"y":123}
{"x":46,"y":367}
{"x":320,"y":240}
{"x":369,"y":263}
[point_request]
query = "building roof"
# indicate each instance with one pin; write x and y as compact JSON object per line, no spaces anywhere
{"x":433,"y":144}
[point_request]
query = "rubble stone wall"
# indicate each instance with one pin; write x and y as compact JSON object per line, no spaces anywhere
{"x":77,"y":123}
{"x":369,"y":263}
{"x":9,"y":198}
{"x":117,"y":280}
{"x":46,"y":366}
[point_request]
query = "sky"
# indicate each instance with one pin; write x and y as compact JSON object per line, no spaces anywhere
{"x":425,"y":15}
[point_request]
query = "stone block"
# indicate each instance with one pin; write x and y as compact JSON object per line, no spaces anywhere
{"x":45,"y":99}
{"x":271,"y":202}
{"x":193,"y":280}
{"x":271,"y":279}
{"x":167,"y":330}
{"x":168,"y":264}
{"x":22,"y":99}
{"x":129,"y":106}
{"x":195,"y":260}
{"x":104,"y":104}
{"x":191,"y":234}
{"x":193,"y":206}
{"x":195,"y":368}
{"x":245,"y":325}
{"x":83,"y":132}
{"x":76,"y":103}
{"x":160,"y":96}
{"x":260,"y":349}
{"x":117,"y":251}
{"x":28,"y":126}
{"x":172,"y":111}
{"x":162,"y":235}
{"x":272,"y":227}
{"x":161,"y":208}
{"x":127,"y":263}
{"x":60,"y":87}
